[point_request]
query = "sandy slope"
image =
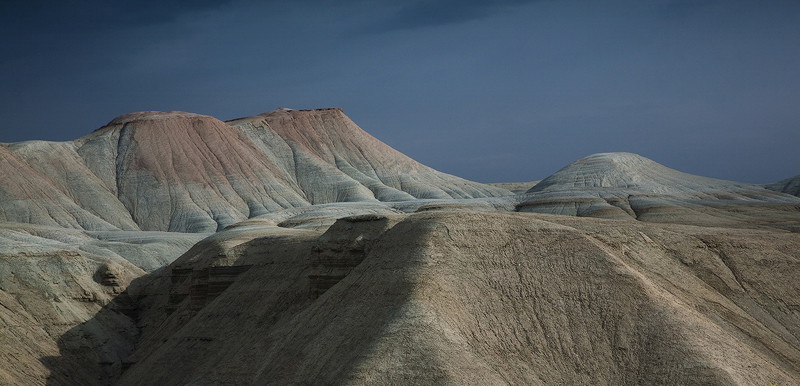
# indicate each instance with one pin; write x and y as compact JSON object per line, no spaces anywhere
{"x":478,"y":298}
{"x":57,"y":286}
{"x":629,"y":186}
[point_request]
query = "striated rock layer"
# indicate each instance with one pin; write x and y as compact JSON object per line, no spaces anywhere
{"x":65,"y":312}
{"x":443,"y":297}
{"x":186,"y":172}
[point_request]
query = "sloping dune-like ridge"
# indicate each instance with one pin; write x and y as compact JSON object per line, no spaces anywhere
{"x":475,"y":298}
{"x":634,"y":172}
{"x":326,"y":142}
{"x":629,"y":186}
{"x":198,"y":169}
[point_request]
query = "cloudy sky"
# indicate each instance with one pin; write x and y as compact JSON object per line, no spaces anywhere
{"x":504,"y":90}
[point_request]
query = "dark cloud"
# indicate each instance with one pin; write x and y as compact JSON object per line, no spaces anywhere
{"x":491,"y":91}
{"x":88,"y":15}
{"x":682,"y":8}
{"x":431,"y":13}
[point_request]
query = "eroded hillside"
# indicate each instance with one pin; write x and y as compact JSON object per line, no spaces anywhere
{"x":184,"y":172}
{"x":293,"y":247}
{"x":475,"y":298}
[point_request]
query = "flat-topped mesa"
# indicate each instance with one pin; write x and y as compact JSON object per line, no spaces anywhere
{"x":283,"y":111}
{"x":186,"y":172}
{"x":327,"y":142}
{"x":154,"y":120}
{"x":286,"y":110}
{"x":180,"y":171}
{"x":327,"y":133}
{"x":153,"y":116}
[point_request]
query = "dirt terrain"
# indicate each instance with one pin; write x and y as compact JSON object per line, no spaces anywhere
{"x":476,"y":298}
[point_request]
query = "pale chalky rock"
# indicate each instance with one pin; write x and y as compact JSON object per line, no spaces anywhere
{"x":184,"y":172}
{"x":629,"y":186}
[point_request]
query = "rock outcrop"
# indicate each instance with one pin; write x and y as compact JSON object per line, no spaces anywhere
{"x":342,"y":248}
{"x":65,"y":312}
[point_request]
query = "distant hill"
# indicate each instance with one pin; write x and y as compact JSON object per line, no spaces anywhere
{"x":184,"y":172}
{"x":788,"y":186}
{"x":628,"y":186}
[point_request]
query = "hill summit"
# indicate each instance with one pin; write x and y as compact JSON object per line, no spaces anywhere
{"x":630,"y":171}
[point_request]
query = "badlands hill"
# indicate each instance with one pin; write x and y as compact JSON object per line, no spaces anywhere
{"x":474,"y":298}
{"x":184,"y":172}
{"x":294,"y":248}
{"x":789,"y":186}
{"x":628,"y":186}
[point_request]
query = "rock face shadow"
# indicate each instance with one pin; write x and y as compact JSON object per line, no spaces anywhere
{"x":93,"y":352}
{"x":284,"y":308}
{"x":447,"y":297}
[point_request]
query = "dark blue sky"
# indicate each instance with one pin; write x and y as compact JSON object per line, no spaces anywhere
{"x":488,"y":90}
